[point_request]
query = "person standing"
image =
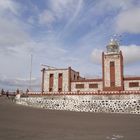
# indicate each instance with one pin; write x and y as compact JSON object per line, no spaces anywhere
{"x":17,"y":92}
{"x":2,"y":92}
{"x":7,"y":94}
{"x":27,"y":92}
{"x":17,"y":97}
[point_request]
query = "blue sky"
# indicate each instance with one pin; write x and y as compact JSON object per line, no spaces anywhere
{"x":64,"y":33}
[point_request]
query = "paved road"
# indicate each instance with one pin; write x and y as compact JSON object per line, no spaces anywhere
{"x":26,"y":123}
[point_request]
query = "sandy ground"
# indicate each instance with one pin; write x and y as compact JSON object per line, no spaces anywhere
{"x":25,"y":123}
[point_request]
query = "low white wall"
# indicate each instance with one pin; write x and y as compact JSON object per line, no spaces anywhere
{"x":87,"y":103}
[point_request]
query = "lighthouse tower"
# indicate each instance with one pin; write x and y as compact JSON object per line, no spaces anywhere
{"x":112,"y":67}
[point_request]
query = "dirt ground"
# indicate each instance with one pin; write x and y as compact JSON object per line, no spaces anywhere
{"x":25,"y":123}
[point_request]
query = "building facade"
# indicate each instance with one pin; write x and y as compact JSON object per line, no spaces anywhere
{"x":113,"y":79}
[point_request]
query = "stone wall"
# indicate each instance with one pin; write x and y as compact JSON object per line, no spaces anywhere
{"x":86,"y":103}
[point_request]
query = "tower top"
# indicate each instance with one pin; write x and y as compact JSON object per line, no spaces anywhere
{"x":113,"y":46}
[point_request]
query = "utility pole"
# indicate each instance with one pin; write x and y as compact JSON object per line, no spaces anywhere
{"x":30,"y":87}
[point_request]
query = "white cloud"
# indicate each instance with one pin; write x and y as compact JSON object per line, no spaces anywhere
{"x":59,"y":10}
{"x":13,"y":30}
{"x":11,"y":33}
{"x":129,"y":21}
{"x":13,"y":37}
{"x":46,"y":17}
{"x":14,"y":83}
{"x":96,"y":56}
{"x":65,"y":44}
{"x":61,"y":7}
{"x":6,"y":5}
{"x":131,"y":53}
{"x":103,"y":6}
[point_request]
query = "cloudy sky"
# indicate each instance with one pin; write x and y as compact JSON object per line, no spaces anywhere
{"x":63,"y":33}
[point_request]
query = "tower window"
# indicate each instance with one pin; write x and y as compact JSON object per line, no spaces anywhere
{"x":74,"y":76}
{"x":112,"y":74}
{"x":112,"y":64}
{"x":60,"y":82}
{"x":51,"y":79}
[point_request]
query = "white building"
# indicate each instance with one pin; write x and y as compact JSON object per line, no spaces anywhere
{"x":67,"y":80}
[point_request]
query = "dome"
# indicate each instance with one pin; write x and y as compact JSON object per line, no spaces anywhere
{"x":113,"y":46}
{"x":113,"y":43}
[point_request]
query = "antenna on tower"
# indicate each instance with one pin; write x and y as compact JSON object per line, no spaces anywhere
{"x":117,"y":38}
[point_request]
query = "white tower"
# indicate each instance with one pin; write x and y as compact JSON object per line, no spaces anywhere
{"x":112,"y":66}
